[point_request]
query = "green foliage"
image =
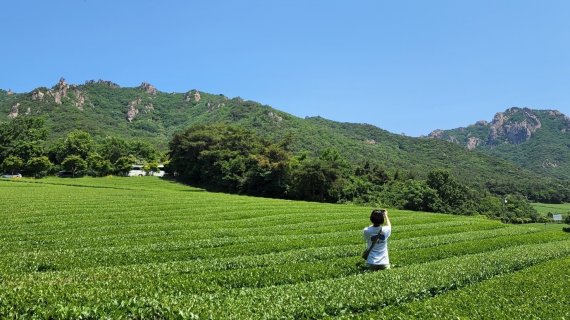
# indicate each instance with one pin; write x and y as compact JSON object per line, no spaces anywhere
{"x":124,"y":164}
{"x":546,"y":152}
{"x":411,"y":195}
{"x":39,"y":166}
{"x":12,"y":164}
{"x":453,"y":196}
{"x":75,"y":164}
{"x":99,"y":166}
{"x":519,"y":210}
{"x":22,"y":138}
{"x":113,"y":148}
{"x":231,"y":159}
{"x":268,"y":174}
{"x":227,"y":158}
{"x":78,"y":143}
{"x":162,"y":114}
{"x":525,"y":294}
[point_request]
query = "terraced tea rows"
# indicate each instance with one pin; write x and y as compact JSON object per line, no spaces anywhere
{"x":148,"y":248}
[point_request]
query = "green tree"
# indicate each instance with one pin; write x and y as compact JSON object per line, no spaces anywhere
{"x":12,"y":164}
{"x":268,"y":174}
{"x":517,"y":209}
{"x":78,"y":143}
{"x":372,"y":173}
{"x":124,"y":164}
{"x":113,"y":148}
{"x":144,"y":151}
{"x":151,"y":167}
{"x":321,"y":179}
{"x":453,"y":195}
{"x":99,"y":166}
{"x":75,"y":164}
{"x":217,"y":156}
{"x":22,"y":137}
{"x":39,"y":166}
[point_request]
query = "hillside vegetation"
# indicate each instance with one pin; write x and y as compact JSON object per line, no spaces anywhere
{"x":538,"y":140}
{"x":103,"y":109}
{"x":149,"y":248}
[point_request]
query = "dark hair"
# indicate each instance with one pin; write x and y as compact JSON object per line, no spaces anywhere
{"x":377,"y":216}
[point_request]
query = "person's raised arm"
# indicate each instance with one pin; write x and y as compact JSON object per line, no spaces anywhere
{"x":386,"y":220}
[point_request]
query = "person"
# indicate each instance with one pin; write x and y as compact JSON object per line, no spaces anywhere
{"x":379,"y":230}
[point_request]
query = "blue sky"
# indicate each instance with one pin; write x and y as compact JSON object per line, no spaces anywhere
{"x":405,"y":66}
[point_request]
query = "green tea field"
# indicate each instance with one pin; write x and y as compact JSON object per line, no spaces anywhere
{"x":146,"y":248}
{"x":545,"y":208}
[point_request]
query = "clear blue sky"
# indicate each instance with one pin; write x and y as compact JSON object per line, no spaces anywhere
{"x":405,"y":66}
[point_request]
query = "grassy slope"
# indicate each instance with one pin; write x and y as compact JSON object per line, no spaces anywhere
{"x":545,"y":208}
{"x":145,"y":246}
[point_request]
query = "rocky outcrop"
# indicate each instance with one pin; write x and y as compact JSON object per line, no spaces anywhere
{"x":212,"y":107}
{"x":107,"y":83}
{"x":38,"y":95}
{"x":29,"y":111}
{"x":513,"y":126}
{"x":370,"y":141}
{"x":148,"y":88}
{"x":14,"y":111}
{"x":192,"y":96}
{"x":547,"y":163}
{"x":59,"y":91}
{"x":57,"y":97}
{"x":136,"y":106}
{"x":9,"y":92}
{"x":148,"y":108}
{"x":436,"y":134}
{"x":275,"y":117}
{"x":79,"y":99}
{"x":133,"y":111}
{"x":473,"y":142}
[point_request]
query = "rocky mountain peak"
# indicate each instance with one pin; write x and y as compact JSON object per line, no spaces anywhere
{"x":192,"y":95}
{"x":515,"y":126}
{"x":148,"y":88}
{"x":59,"y":91}
{"x":38,"y":95}
{"x":436,"y":134}
{"x":107,"y":83}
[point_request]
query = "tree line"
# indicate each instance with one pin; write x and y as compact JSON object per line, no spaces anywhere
{"x":232,"y":159}
{"x":24,"y":149}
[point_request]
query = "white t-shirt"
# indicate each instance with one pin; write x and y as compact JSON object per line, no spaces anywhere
{"x":379,"y":253}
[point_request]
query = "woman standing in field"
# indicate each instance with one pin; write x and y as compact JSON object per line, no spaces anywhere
{"x":376,"y":239}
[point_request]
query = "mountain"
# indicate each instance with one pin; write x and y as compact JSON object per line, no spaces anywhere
{"x":104,"y":108}
{"x":538,"y":140}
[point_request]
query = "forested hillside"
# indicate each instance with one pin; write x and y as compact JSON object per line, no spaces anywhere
{"x":104,"y":109}
{"x":538,"y":140}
